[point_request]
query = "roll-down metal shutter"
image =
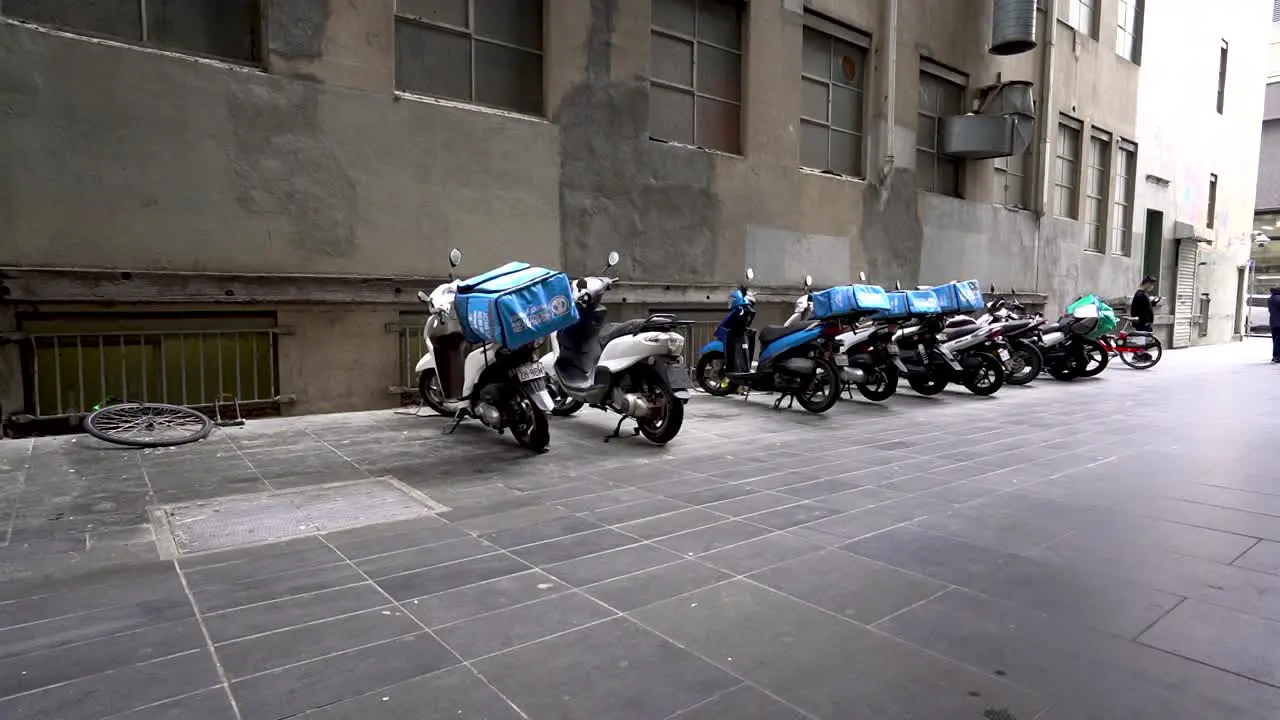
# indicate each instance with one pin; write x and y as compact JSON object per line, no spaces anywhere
{"x":1185,"y":293}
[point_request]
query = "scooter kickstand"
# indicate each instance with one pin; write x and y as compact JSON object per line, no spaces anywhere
{"x":617,"y":431}
{"x":457,"y":420}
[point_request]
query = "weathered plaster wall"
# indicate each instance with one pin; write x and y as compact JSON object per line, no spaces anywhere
{"x":117,"y":157}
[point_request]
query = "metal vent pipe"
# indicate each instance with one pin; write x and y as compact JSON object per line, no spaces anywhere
{"x":1013,"y":27}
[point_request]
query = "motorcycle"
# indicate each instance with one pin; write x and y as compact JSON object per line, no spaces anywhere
{"x":633,"y":368}
{"x":931,"y":355}
{"x":502,"y":388}
{"x":1020,"y":332}
{"x":796,"y":361}
{"x":859,"y":351}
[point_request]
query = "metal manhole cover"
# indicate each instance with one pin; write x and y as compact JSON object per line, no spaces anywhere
{"x":227,"y":522}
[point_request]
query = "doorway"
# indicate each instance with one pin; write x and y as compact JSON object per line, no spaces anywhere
{"x":1242,"y":311}
{"x":1154,"y":247}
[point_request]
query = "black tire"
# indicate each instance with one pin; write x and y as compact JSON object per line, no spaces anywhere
{"x":430,"y":393}
{"x":535,"y":434}
{"x":564,"y":405}
{"x":881,"y":383}
{"x":1154,"y":351}
{"x":660,"y":431}
{"x":926,"y":386}
{"x":1029,"y":363}
{"x":1066,"y":367}
{"x":830,"y":396}
{"x":987,"y":378}
{"x":141,"y":425}
{"x":709,"y":374}
{"x":1096,"y":358}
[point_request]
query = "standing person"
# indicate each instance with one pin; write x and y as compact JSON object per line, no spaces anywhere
{"x":1141,"y":307}
{"x":1273,"y":309}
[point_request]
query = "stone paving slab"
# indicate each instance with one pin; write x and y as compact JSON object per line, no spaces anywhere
{"x":1103,"y":548}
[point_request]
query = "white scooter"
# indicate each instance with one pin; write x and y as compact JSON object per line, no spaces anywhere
{"x":876,"y":382}
{"x":503,"y":389}
{"x":633,"y":368}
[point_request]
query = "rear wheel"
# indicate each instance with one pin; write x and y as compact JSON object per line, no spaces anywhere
{"x":926,"y":385}
{"x":430,"y":392}
{"x":1147,"y":357}
{"x":1096,"y":358}
{"x":881,"y":383}
{"x":532,"y":431}
{"x":1025,"y":363}
{"x":1067,"y":366}
{"x":710,"y":375}
{"x":987,"y":377}
{"x":822,"y":391}
{"x":662,"y":429}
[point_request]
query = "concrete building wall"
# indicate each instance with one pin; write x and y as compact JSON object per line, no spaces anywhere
{"x":1183,"y":140}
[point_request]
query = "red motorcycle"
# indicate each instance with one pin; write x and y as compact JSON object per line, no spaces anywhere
{"x":1138,"y":349}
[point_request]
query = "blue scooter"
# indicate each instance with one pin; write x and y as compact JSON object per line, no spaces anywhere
{"x":796,"y":360}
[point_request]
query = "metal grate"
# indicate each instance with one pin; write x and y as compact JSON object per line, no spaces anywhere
{"x":70,"y":373}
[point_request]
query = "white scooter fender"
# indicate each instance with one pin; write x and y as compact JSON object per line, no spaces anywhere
{"x":426,"y":362}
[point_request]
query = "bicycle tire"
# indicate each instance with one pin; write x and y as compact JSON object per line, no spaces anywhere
{"x":127,"y":416}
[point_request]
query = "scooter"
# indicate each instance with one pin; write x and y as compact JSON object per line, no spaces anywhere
{"x":931,"y":356}
{"x":859,"y":351}
{"x":503,"y":389}
{"x":796,"y":361}
{"x":634,"y":368}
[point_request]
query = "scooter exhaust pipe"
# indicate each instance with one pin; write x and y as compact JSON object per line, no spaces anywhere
{"x":854,"y":376}
{"x":635,"y":405}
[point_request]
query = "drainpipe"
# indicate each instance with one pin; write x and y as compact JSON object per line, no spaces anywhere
{"x":1047,"y":115}
{"x":891,"y":97}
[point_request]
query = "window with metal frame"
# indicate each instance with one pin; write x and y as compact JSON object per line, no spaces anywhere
{"x":1122,"y":198}
{"x":1066,"y":189}
{"x":1011,"y":180}
{"x":695,"y":73}
{"x":1211,"y":218}
{"x":223,"y":29}
{"x":1129,"y":29}
{"x":487,"y":52}
{"x":941,"y":96}
{"x":1081,"y":15}
{"x":1095,"y":190}
{"x":833,"y":75}
{"x":1222,"y":76}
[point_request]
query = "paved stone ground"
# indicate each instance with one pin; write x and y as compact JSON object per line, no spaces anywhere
{"x":1102,"y":549}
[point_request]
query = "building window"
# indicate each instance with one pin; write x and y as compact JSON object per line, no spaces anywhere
{"x":1080,"y":14}
{"x":1011,"y":180}
{"x":941,"y":96}
{"x":1222,"y":77}
{"x":1066,"y":191}
{"x":1129,"y":30}
{"x":227,"y":29}
{"x":1095,"y":191}
{"x":1122,"y":199}
{"x":695,"y":73}
{"x":833,"y":75}
{"x":487,"y":52}
{"x":1213,"y":201}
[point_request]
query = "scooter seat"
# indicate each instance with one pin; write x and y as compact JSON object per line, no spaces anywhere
{"x":958,"y":332}
{"x":613,"y":331}
{"x":772,"y":333}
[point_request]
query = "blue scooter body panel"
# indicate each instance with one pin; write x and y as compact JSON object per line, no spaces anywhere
{"x":788,"y":342}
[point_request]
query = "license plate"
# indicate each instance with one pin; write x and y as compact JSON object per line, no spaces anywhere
{"x":892,"y":348}
{"x":678,"y":377}
{"x":532,"y":371}
{"x":1004,"y":354}
{"x":842,"y":360}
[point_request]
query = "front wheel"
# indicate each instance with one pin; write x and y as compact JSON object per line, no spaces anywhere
{"x":987,"y":377}
{"x":822,"y":392}
{"x":709,"y":373}
{"x":532,"y":432}
{"x":662,"y":429}
{"x":1145,"y":358}
{"x":1025,"y":364}
{"x":1067,"y":366}
{"x":926,"y":384}
{"x":881,"y":383}
{"x":430,"y":392}
{"x":1096,"y":358}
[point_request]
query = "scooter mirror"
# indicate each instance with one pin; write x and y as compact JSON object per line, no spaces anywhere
{"x":455,"y":257}
{"x":423,"y":297}
{"x":614,"y":257}
{"x":897,"y":284}
{"x":808,"y":281}
{"x":862,"y":276}
{"x":751,"y":274}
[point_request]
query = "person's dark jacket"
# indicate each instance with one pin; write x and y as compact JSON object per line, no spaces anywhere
{"x":1140,"y":308}
{"x":1273,"y":307}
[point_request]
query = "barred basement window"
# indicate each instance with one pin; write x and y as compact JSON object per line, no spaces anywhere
{"x":1067,"y":170}
{"x":1095,"y":178}
{"x":832,"y":81}
{"x":695,"y":73}
{"x":227,"y":29}
{"x":484,"y":51}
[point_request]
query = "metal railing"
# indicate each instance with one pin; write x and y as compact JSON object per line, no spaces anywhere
{"x":70,"y":373}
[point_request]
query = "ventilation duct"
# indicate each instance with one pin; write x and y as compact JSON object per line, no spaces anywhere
{"x":1004,"y":126}
{"x":1013,"y":27}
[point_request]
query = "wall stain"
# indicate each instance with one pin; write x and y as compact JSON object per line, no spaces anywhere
{"x":654,"y":203}
{"x":892,"y":232}
{"x":284,"y":166}
{"x":296,"y":28}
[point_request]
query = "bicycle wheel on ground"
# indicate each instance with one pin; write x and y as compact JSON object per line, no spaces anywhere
{"x":148,"y":425}
{"x":1145,"y":358}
